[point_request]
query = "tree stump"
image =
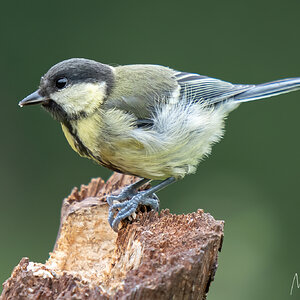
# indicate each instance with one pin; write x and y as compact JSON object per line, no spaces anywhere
{"x":153,"y":256}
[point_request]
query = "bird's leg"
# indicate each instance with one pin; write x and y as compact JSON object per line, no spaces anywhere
{"x":128,"y":192}
{"x":128,"y":207}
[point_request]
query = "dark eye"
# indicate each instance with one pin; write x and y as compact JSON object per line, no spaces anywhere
{"x":61,"y":83}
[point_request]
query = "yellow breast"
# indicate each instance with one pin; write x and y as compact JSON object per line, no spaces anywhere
{"x":69,"y":137}
{"x":88,"y":131}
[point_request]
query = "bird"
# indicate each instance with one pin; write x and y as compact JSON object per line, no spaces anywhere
{"x":145,"y":120}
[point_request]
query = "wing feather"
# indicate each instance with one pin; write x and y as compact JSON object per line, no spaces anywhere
{"x":146,"y":91}
{"x":209,"y":91}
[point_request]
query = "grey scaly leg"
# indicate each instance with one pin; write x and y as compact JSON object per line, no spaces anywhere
{"x":127,"y":192}
{"x":128,"y":207}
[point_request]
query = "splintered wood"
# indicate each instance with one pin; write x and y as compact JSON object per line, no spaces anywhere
{"x":155,"y":256}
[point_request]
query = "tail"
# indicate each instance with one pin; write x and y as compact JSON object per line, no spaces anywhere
{"x":269,"y":89}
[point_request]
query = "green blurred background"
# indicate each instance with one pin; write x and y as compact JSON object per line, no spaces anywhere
{"x":252,"y":179}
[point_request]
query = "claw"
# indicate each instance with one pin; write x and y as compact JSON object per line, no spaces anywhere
{"x":129,"y":207}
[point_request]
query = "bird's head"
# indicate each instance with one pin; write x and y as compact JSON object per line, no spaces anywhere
{"x":73,"y":89}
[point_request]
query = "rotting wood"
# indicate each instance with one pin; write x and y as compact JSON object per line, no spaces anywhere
{"x":154,"y":256}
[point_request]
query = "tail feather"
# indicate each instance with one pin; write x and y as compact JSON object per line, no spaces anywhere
{"x":269,"y":89}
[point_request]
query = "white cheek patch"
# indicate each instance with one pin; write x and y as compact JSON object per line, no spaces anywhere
{"x":80,"y":97}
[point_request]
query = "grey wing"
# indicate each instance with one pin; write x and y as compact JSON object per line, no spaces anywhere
{"x":136,"y":106}
{"x":207,"y":90}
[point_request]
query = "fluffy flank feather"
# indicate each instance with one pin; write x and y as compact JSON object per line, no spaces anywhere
{"x":180,"y":137}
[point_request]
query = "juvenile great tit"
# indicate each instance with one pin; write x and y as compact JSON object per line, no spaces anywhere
{"x":145,"y":120}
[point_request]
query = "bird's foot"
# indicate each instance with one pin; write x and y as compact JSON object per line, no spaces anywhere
{"x":127,"y":208}
{"x":127,"y":192}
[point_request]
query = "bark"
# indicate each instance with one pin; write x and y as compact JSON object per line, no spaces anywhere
{"x":154,"y":256}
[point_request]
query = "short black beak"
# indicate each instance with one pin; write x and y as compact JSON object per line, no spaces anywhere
{"x":34,"y":98}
